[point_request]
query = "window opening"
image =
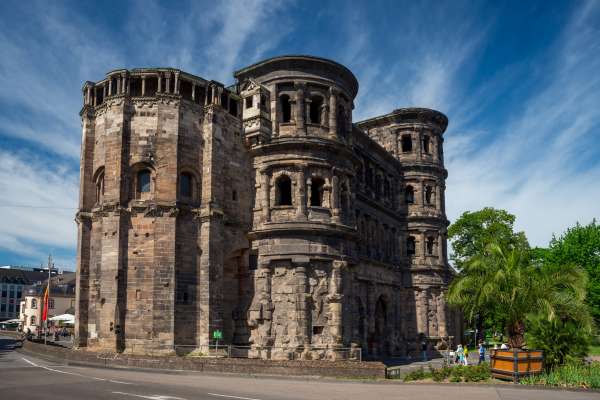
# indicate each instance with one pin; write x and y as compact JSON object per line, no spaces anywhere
{"x":286,"y":108}
{"x":185,"y":184}
{"x":316,"y":102}
{"x":406,"y":143}
{"x":410,"y":195}
{"x":410,"y":246}
{"x":284,"y":191}
{"x":143,"y":181}
{"x":316,"y":192}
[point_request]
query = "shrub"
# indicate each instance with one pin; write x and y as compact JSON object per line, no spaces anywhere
{"x":416,"y":375}
{"x":574,"y":374}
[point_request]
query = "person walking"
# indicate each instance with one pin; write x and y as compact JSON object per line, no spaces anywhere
{"x":460,"y":353}
{"x":424,"y":350}
{"x":467,"y":355}
{"x":481,"y":353}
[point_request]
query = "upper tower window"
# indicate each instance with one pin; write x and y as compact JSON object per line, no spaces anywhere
{"x":316,"y":103}
{"x":249,"y":102}
{"x":410,"y":246}
{"x":428,"y":194}
{"x":286,"y":108}
{"x":406,"y":143}
{"x":410,"y":195}
{"x":143,"y":181}
{"x":316,"y":192}
{"x":429,"y":244}
{"x":100,"y":186}
{"x":186,"y":184}
{"x":283,"y":195}
{"x":426,"y":144}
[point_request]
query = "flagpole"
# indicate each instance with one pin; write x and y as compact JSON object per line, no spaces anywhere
{"x":47,"y":300}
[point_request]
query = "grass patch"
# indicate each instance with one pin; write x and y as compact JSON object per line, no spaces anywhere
{"x":575,"y":375}
{"x":594,"y":350}
{"x":457,"y":373}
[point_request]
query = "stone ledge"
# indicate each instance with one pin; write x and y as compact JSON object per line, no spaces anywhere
{"x":334,"y":369}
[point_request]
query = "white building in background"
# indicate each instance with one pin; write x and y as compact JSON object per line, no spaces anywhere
{"x":62,"y":301}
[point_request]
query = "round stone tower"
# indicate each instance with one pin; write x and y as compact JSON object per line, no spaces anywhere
{"x":297,"y":116}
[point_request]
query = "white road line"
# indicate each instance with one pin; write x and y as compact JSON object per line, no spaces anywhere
{"x":72,"y":373}
{"x":231,"y":397}
{"x":151,"y":397}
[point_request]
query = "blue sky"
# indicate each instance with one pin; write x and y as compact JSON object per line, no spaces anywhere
{"x":519,"y":81}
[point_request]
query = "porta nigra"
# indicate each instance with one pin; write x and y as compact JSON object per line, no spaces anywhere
{"x":260,"y":210}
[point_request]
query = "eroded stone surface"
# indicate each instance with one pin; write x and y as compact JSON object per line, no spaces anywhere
{"x":267,"y":215}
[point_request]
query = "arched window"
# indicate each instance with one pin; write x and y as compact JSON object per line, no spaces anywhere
{"x":286,"y":108}
{"x":429,"y":244}
{"x":283,"y":191}
{"x":428,"y":194}
{"x":316,"y":192}
{"x":410,"y":195}
{"x":426,"y":144}
{"x":32,"y":320}
{"x":143,"y":181}
{"x":410,"y":246}
{"x":316,"y":103}
{"x":186,"y":185}
{"x":406,"y":143}
{"x":100,"y":187}
{"x":33,"y":303}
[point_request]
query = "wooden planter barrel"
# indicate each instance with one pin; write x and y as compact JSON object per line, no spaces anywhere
{"x":514,"y":364}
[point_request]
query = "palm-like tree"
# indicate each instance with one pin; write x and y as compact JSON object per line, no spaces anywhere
{"x":507,"y":283}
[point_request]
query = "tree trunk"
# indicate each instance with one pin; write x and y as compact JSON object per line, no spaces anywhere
{"x":516,"y":334}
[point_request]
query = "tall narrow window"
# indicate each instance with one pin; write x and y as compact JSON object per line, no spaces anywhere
{"x":100,"y":187}
{"x":428,"y":195}
{"x":316,"y":192}
{"x":426,"y":144}
{"x":33,"y":303}
{"x":410,"y":195}
{"x":186,"y":185}
{"x":143,"y":181}
{"x":283,"y":191}
{"x":406,"y":143}
{"x":32,"y":320}
{"x":429,"y":245}
{"x":316,"y":103}
{"x":249,"y":102}
{"x":286,"y":108}
{"x":410,"y":246}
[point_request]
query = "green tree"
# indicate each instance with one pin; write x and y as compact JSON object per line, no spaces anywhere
{"x":503,"y":281}
{"x":470,"y":234}
{"x":580,"y":245}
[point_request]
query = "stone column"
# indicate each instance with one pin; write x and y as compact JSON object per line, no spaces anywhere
{"x":144,"y":85}
{"x":308,"y":191}
{"x":110,"y":86}
{"x":299,"y":114}
{"x":176,"y":83}
{"x":332,"y":114}
{"x":438,"y":197}
{"x":168,"y":82}
{"x":441,"y":313}
{"x":159,"y":89}
{"x":193,"y":92}
{"x":266,"y":192}
{"x":118,"y":85}
{"x":440,"y":248}
{"x":301,"y":195}
{"x":274,"y":111}
{"x":95,"y":96}
{"x":104,"y":91}
{"x":302,"y":310}
{"x":422,"y":311}
{"x":334,"y":300}
{"x":335,"y":198}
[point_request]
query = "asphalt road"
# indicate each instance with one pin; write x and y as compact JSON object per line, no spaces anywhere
{"x":24,"y":378}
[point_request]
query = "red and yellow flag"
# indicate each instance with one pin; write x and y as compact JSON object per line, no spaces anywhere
{"x":45,"y":309}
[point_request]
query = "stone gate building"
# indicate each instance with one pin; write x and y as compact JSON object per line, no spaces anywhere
{"x":260,"y":210}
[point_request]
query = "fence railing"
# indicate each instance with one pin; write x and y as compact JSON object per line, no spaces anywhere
{"x":234,"y":351}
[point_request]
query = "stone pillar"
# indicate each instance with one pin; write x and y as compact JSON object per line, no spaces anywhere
{"x":308,"y":191}
{"x":110,"y":86}
{"x":176,"y":83}
{"x":332,"y":114}
{"x":159,"y":88}
{"x":94,"y":101}
{"x":441,"y":313}
{"x":301,"y":196}
{"x":144,"y":85}
{"x":118,"y":85}
{"x":193,"y":92}
{"x":335,"y":198}
{"x":334,"y":300}
{"x":300,"y":113}
{"x":303,"y":315}
{"x":104,"y":91}
{"x":438,"y":197}
{"x":168,"y":82}
{"x":440,"y":248}
{"x":422,"y":311}
{"x":266,"y":192}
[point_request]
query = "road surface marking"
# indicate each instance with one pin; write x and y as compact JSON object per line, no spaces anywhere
{"x":151,"y":397}
{"x":231,"y":397}
{"x":72,"y":373}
